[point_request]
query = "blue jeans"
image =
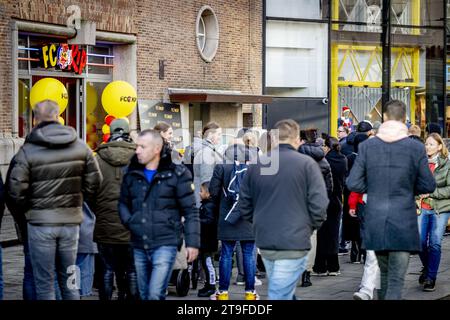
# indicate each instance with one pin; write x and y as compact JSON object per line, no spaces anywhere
{"x":85,"y":263}
{"x":431,"y":228}
{"x":226,"y":264}
{"x":283,"y":276}
{"x":54,"y":248}
{"x":154,"y":268}
{"x":28,"y":287}
{"x":393,"y":266}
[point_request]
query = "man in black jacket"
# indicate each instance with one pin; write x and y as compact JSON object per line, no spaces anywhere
{"x":285,"y":208}
{"x":155,"y":195}
{"x":46,"y":183}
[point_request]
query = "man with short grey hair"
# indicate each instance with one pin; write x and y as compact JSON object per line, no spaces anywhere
{"x":289,"y":204}
{"x":48,"y":179}
{"x":155,"y":195}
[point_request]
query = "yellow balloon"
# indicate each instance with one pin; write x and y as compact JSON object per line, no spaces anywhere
{"x":91,"y":98}
{"x":106,"y":129}
{"x":61,"y":120}
{"x":51,"y":89}
{"x":119,"y":99}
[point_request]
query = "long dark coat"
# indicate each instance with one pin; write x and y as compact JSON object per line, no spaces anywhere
{"x":328,"y":234}
{"x":391,"y":173}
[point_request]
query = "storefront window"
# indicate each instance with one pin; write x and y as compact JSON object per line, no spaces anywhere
{"x":25,"y":116}
{"x":416,"y":60}
{"x":93,"y":75}
{"x":95,"y":114}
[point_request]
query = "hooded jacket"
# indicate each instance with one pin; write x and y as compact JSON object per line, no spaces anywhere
{"x":50,"y":176}
{"x":242,"y":229}
{"x":391,"y":169}
{"x":113,"y":157}
{"x":153,"y":211}
{"x":317,"y":153}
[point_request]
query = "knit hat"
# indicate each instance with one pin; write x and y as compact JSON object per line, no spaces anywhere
{"x":364,"y":126}
{"x":120,"y":125}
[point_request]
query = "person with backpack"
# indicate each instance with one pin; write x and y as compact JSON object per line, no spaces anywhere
{"x":285,"y":201}
{"x":224,"y":188}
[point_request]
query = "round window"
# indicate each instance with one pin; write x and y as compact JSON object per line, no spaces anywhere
{"x":207,"y":31}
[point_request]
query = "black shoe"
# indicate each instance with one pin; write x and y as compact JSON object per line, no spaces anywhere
{"x":429,"y":285}
{"x":207,"y":291}
{"x":306,"y":279}
{"x":423,"y":275}
{"x":354,"y":253}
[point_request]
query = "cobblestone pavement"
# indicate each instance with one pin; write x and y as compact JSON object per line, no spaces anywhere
{"x":324,"y":288}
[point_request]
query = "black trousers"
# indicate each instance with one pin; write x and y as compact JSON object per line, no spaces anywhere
{"x":326,"y":262}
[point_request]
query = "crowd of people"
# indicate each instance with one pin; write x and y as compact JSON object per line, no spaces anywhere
{"x":127,"y":212}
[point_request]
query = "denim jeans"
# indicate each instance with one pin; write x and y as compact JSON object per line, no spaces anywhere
{"x":85,"y":263}
{"x":431,"y":228}
{"x":54,"y":248}
{"x":393,"y":266}
{"x":28,"y":286}
{"x":154,"y":268}
{"x":118,"y":261}
{"x":1,"y":274}
{"x":226,"y":264}
{"x":283,"y":276}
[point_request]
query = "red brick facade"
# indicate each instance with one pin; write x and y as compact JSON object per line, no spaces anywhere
{"x":165,"y":30}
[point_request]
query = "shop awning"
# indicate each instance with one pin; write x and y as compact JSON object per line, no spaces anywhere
{"x":218,"y":96}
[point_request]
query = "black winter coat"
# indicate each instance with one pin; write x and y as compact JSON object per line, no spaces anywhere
{"x":346,"y":148}
{"x":391,"y":173}
{"x":153,"y":211}
{"x":242,"y":229}
{"x":208,"y":226}
{"x":285,"y":207}
{"x":50,"y":176}
{"x":113,"y":157}
{"x":328,"y":234}
{"x":316,"y":152}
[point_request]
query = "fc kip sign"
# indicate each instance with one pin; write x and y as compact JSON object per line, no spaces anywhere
{"x":64,"y":57}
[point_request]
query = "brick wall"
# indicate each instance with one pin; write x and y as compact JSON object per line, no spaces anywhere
{"x":5,"y":69}
{"x":171,"y":37}
{"x":165,"y":30}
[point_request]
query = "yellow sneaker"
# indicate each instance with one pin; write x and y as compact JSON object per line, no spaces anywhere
{"x":251,"y":295}
{"x":220,"y":295}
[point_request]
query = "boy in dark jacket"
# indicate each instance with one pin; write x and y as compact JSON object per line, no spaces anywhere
{"x":208,"y":240}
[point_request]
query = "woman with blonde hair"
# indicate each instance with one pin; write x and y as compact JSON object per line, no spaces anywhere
{"x":435,"y":211}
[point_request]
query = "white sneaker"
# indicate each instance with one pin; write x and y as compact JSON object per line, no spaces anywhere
{"x":258,"y":282}
{"x":334,"y":273}
{"x":361,"y":296}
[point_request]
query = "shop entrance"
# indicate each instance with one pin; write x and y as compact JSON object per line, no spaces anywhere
{"x":72,"y":115}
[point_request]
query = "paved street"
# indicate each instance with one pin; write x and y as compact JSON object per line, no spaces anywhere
{"x":324,"y":288}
